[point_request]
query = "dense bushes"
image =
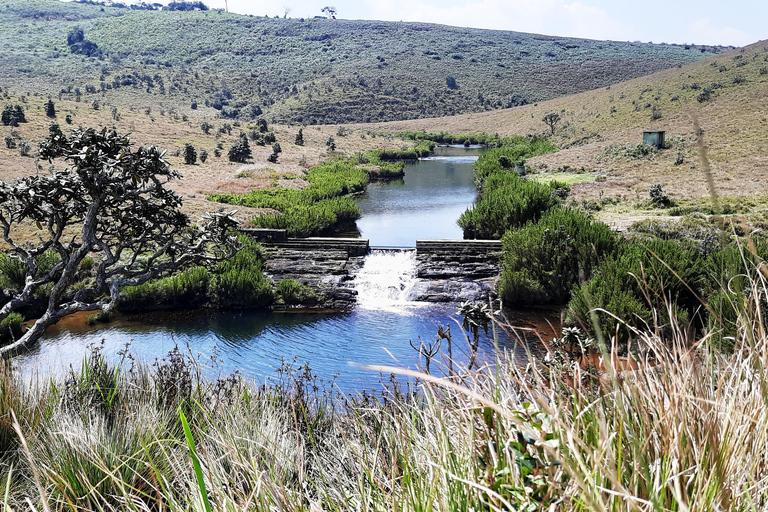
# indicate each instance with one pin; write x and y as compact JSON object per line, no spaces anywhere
{"x":637,"y":283}
{"x":506,"y":202}
{"x":12,"y":115}
{"x":237,"y":283}
{"x":423,"y":148}
{"x":544,"y":260}
{"x":318,"y":208}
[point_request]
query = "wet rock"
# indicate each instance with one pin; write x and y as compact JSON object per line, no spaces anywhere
{"x":451,"y":290}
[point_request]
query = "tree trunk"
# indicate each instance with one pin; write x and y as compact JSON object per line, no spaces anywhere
{"x":32,"y":335}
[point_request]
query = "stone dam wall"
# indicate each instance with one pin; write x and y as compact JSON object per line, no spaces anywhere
{"x":446,"y":270}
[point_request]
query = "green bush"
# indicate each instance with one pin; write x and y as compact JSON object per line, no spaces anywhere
{"x":12,"y":115}
{"x":544,"y":260}
{"x":235,"y":284}
{"x":316,"y":209}
{"x":10,"y":328}
{"x":506,"y":202}
{"x":640,"y":279}
{"x":294,"y":293}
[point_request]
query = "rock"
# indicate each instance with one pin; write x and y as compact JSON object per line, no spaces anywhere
{"x":450,"y":290}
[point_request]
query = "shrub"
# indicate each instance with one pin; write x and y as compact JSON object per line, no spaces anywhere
{"x":10,"y":142}
{"x":25,"y":148}
{"x":636,"y":284}
{"x":451,"y":82}
{"x":506,"y":202}
{"x":544,"y":260}
{"x":10,"y":328}
{"x":203,"y":156}
{"x":299,"y":138}
{"x":240,"y":151}
{"x":189,"y":153}
{"x":294,"y":293}
{"x":330,"y":144}
{"x":206,"y":127}
{"x":50,"y":109}
{"x":658,"y":196}
{"x":316,"y":209}
{"x":12,"y":115}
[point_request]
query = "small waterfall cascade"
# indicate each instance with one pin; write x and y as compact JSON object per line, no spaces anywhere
{"x":386,"y":277}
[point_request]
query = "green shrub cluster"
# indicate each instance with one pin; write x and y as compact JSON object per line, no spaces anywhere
{"x":291,"y":292}
{"x":10,"y":328}
{"x":506,"y":201}
{"x":237,"y":284}
{"x":319,"y":208}
{"x":543,"y":260}
{"x":423,"y":148}
{"x":642,"y":283}
{"x":529,"y":146}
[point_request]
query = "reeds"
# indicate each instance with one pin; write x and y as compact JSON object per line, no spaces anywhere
{"x":686,"y":432}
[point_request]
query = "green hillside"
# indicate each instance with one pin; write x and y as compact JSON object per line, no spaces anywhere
{"x":303,"y":70}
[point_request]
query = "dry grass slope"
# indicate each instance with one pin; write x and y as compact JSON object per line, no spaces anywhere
{"x":598,"y":127}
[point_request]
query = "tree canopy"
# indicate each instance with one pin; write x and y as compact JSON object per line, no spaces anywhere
{"x":110,"y":204}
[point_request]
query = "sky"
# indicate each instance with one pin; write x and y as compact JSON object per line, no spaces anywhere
{"x":733,"y":22}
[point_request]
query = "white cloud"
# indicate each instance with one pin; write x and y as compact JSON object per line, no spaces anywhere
{"x":702,"y":31}
{"x":552,"y":17}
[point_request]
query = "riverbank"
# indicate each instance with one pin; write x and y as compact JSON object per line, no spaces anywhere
{"x":499,"y":438}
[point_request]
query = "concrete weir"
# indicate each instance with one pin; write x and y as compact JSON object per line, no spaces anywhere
{"x":446,"y":270}
{"x":456,"y":270}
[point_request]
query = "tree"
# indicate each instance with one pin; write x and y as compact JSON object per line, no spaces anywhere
{"x":286,"y":11}
{"x":111,"y":204}
{"x":331,"y":144}
{"x":240,"y":151}
{"x":206,"y":127}
{"x":263,"y":128}
{"x":451,"y":82}
{"x":190,"y":155}
{"x":203,"y":156}
{"x":50,"y":108}
{"x":300,"y":138}
{"x":12,"y":115}
{"x":551,"y":120}
{"x":329,"y":11}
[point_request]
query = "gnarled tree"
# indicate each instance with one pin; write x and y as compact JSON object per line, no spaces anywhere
{"x":110,"y":204}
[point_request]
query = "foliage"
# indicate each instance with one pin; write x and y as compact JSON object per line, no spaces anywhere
{"x":544,"y":260}
{"x":10,"y":328}
{"x":240,"y":151}
{"x":311,"y":71}
{"x":293,"y":293}
{"x":659,"y":196}
{"x":189,"y":154}
{"x":237,"y":283}
{"x":299,"y":138}
{"x":551,"y":120}
{"x":318,"y":208}
{"x":13,"y":114}
{"x":50,"y":108}
{"x":117,"y":198}
{"x":648,"y":284}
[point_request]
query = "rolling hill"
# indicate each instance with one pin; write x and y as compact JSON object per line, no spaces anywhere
{"x":311,"y":71}
{"x":727,"y":95}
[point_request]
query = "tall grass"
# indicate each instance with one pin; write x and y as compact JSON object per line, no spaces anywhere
{"x":687,"y":432}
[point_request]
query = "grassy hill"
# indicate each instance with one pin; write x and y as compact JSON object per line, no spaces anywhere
{"x":600,"y":131}
{"x":303,"y":70}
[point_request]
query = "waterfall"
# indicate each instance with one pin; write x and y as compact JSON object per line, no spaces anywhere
{"x":386,"y":277}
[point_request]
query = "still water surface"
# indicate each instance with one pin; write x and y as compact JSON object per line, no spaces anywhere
{"x":426,"y":203}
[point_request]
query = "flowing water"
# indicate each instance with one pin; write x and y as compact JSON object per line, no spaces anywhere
{"x":380,"y":330}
